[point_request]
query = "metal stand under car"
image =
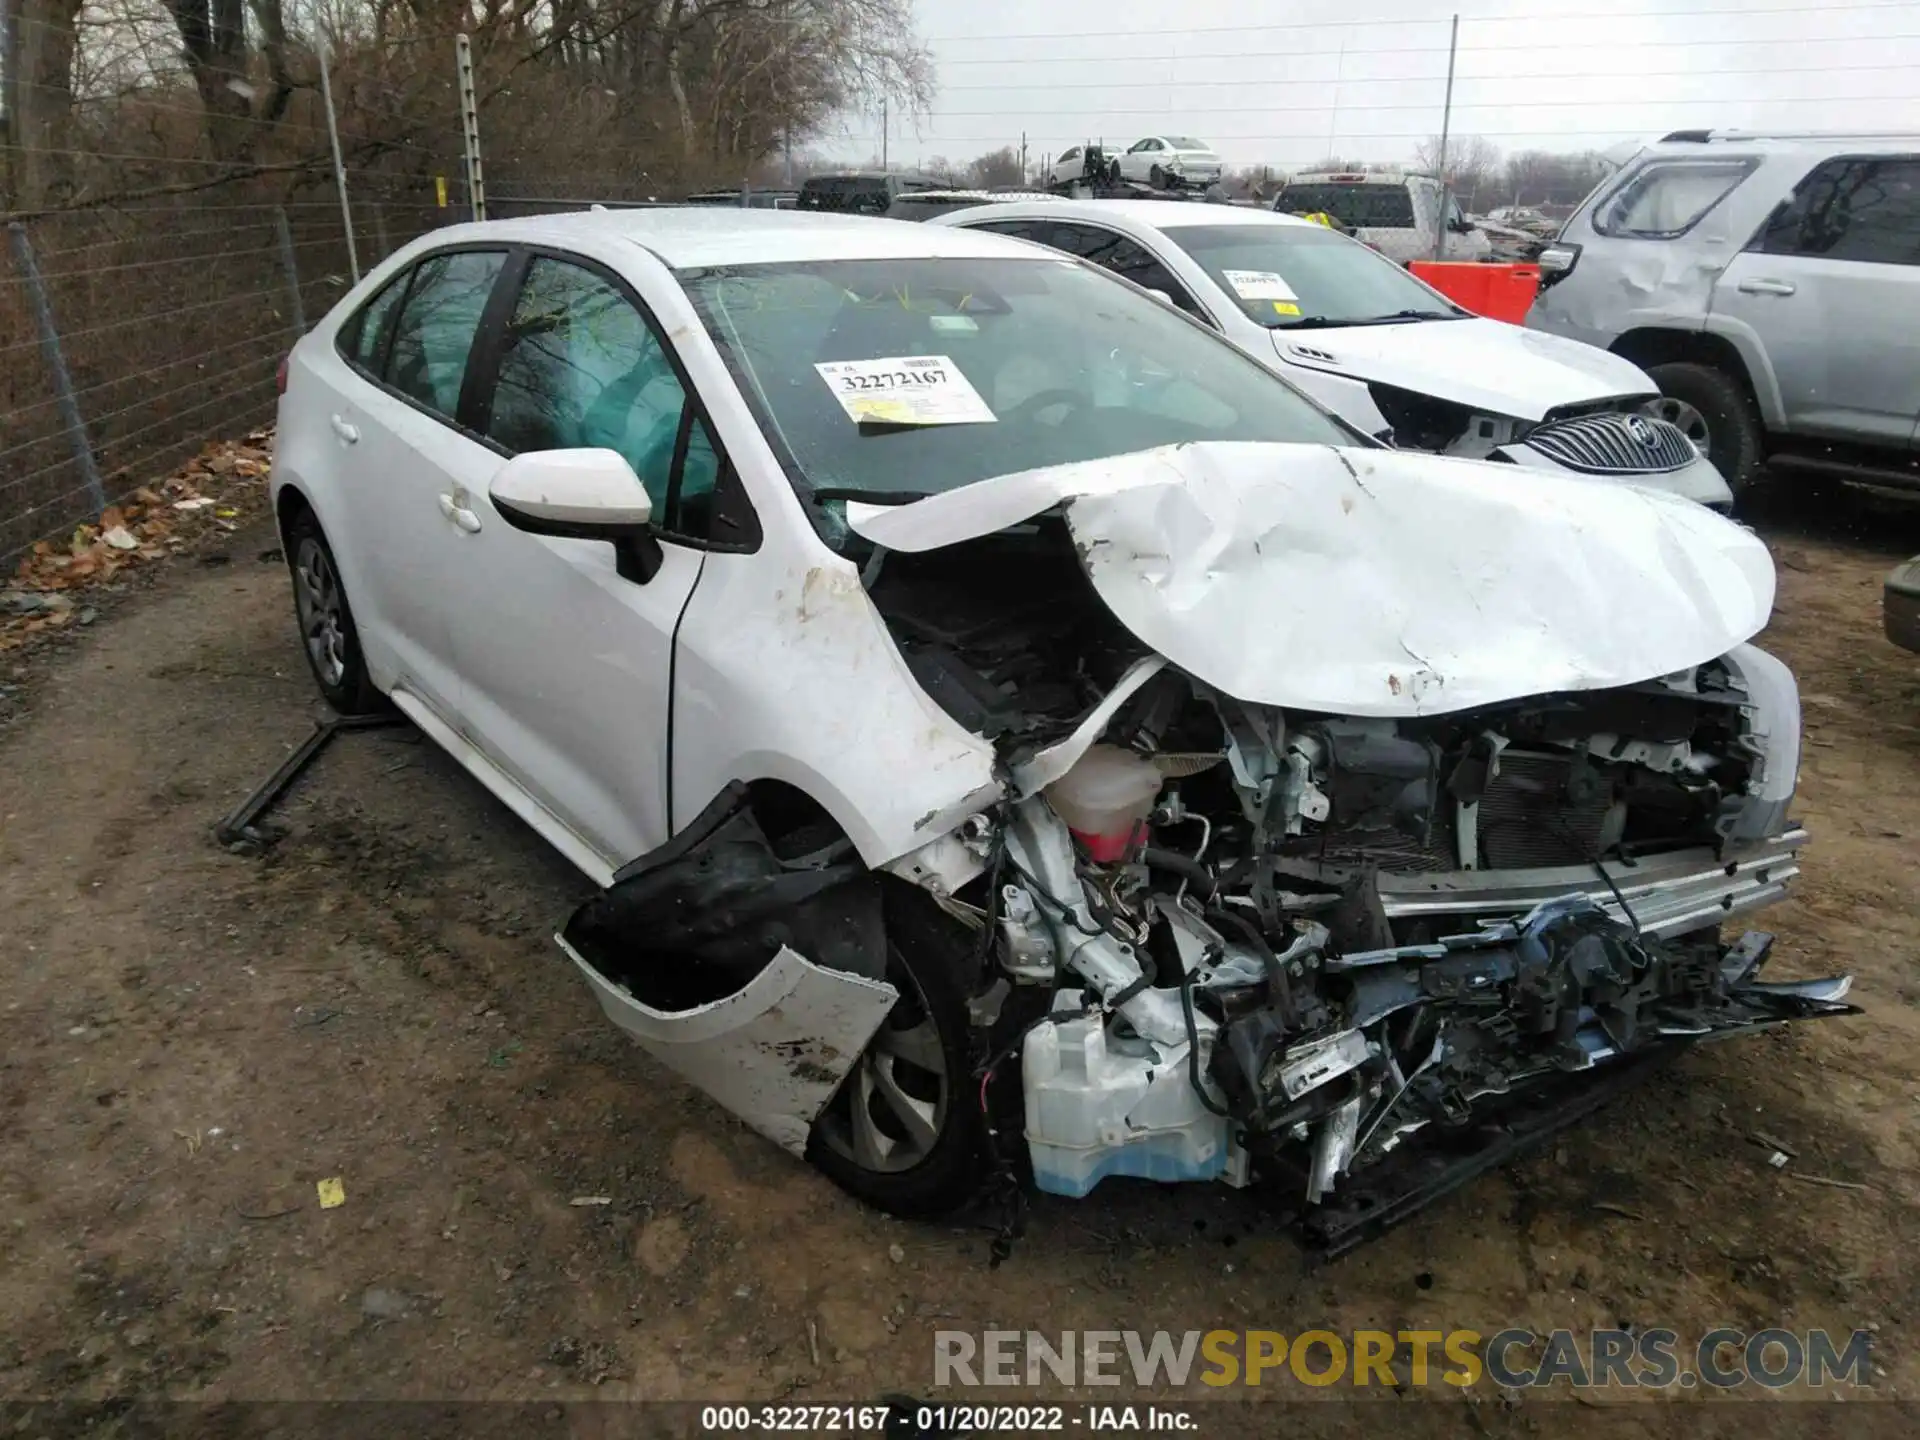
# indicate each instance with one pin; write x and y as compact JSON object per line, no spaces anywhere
{"x":241,"y":829}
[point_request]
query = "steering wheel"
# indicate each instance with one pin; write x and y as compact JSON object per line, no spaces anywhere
{"x":1030,"y":408}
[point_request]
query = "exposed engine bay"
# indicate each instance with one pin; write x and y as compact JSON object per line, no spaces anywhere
{"x":1201,"y":887}
{"x":1360,"y":958}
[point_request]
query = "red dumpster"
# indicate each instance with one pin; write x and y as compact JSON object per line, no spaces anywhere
{"x":1500,"y":292}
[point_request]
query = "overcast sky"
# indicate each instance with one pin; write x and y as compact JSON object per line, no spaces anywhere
{"x":1290,"y":81}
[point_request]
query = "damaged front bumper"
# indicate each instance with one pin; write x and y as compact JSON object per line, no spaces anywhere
{"x":1665,"y":895}
{"x":1439,"y":1061}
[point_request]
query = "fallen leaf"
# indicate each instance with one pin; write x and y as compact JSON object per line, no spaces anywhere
{"x":332,"y":1192}
{"x":121,"y":538}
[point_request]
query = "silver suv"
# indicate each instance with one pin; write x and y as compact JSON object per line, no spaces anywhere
{"x":1770,"y":285}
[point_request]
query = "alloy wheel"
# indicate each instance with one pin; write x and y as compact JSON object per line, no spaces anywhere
{"x":317,"y":599}
{"x":893,"y":1108}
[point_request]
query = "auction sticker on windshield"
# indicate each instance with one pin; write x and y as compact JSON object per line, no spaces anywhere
{"x":913,"y":390}
{"x":1259,"y":285}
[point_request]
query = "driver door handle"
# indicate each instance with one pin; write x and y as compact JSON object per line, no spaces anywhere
{"x":1767,"y":287}
{"x":460,"y":515}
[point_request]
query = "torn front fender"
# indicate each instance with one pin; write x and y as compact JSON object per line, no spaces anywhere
{"x":774,"y":1052}
{"x":696,"y":952}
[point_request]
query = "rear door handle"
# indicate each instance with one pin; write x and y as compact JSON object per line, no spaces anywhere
{"x":1767,"y":287}
{"x":460,"y":515}
{"x":345,"y":431}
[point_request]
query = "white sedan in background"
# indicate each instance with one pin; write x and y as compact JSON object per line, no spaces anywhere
{"x":1169,"y":162}
{"x":1383,"y":350}
{"x":1010,"y":728}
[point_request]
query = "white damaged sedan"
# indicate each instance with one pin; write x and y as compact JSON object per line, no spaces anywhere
{"x":1015,"y":734}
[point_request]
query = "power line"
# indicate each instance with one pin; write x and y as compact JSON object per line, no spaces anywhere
{"x":1348,"y":108}
{"x":1264,"y":83}
{"x":1796,"y":41}
{"x":1612,"y":16}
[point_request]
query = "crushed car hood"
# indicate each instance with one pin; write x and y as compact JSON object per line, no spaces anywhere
{"x":1377,"y":582}
{"x":1494,"y":368}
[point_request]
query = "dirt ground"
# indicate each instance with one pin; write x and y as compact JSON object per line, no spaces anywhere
{"x":192,"y":1038}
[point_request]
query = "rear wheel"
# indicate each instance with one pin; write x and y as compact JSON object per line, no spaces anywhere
{"x":1714,"y":409}
{"x":903,"y":1133}
{"x":327,"y":633}
{"x":1158,"y":177}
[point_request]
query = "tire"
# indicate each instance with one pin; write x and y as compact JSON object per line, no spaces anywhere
{"x":1735,"y":442}
{"x":929,"y":958}
{"x":1158,"y":177}
{"x":327,"y":634}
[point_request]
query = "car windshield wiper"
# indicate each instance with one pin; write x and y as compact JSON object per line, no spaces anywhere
{"x":1401,"y":317}
{"x":1314,"y":322}
{"x":870,"y":497}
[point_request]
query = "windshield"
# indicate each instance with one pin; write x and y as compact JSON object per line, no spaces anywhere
{"x":900,"y":378}
{"x":1301,"y":276}
{"x":1376,"y":206}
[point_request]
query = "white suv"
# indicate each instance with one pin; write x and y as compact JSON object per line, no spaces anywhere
{"x":1770,"y":284}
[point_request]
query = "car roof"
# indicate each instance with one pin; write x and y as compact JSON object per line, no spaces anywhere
{"x":1155,"y":214}
{"x":727,"y":235}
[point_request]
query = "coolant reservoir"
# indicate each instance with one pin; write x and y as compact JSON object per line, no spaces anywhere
{"x":1105,"y":799}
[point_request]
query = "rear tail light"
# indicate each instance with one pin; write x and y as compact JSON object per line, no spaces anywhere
{"x":280,"y":376}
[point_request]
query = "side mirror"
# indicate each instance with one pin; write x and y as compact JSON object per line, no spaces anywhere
{"x":588,"y":494}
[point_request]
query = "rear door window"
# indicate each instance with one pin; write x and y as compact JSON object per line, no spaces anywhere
{"x":1861,"y":208}
{"x":1034,"y":230}
{"x":434,"y":336}
{"x":1665,"y":199}
{"x":363,"y":339}
{"x":1123,"y":256}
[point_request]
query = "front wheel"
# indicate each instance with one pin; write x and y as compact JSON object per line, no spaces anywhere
{"x":904,"y":1131}
{"x":1716,"y":413}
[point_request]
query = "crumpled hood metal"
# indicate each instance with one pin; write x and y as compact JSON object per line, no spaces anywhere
{"x":1378,"y":583}
{"x":1495,"y":368}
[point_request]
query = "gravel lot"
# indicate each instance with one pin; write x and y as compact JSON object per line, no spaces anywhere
{"x":192,"y":1038}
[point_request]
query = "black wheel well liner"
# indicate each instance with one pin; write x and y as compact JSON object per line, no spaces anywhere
{"x":288,"y":504}
{"x":1654,"y":345}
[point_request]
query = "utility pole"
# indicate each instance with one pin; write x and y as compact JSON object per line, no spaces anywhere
{"x":339,"y":166}
{"x":883,"y":134}
{"x":1023,"y":158}
{"x":470,"y":124}
{"x":1446,"y":125}
{"x":787,"y":144}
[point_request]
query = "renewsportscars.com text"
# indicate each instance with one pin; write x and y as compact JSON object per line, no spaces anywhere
{"x":1518,"y":1359}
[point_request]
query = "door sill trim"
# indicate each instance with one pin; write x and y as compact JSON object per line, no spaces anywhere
{"x":542,"y":821}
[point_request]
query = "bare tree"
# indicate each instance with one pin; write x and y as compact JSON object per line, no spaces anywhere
{"x":1473,"y":165}
{"x":997,"y":167}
